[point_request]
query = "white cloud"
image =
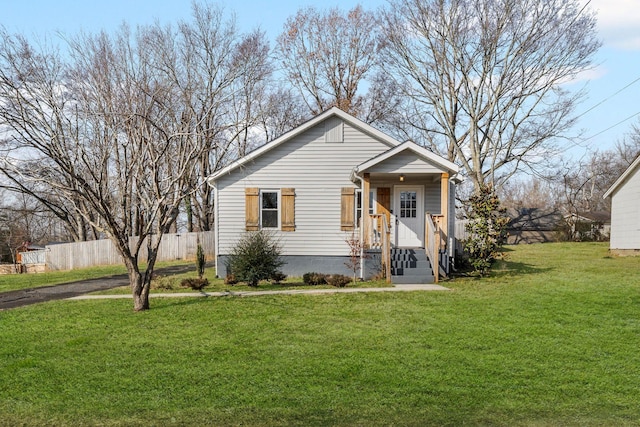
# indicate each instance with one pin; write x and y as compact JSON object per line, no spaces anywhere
{"x":618,"y":22}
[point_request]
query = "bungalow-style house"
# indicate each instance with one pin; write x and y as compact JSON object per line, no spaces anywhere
{"x":625,"y":211}
{"x":335,"y":178}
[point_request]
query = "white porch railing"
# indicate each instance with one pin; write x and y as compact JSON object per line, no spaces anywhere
{"x":380,"y":238}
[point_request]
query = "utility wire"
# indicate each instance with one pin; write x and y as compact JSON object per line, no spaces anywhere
{"x":610,"y":127}
{"x":608,"y":98}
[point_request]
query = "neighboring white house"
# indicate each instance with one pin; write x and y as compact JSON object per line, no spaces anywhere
{"x":625,"y":211}
{"x":310,"y":187}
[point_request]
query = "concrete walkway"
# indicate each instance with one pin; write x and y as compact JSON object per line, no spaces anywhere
{"x":396,"y":288}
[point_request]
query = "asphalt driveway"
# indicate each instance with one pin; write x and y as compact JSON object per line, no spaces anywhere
{"x":13,"y":299}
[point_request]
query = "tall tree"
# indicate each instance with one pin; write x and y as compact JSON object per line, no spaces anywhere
{"x":483,"y":78}
{"x":99,"y":128}
{"x":327,"y":56}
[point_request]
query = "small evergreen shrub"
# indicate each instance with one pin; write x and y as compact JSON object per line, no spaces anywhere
{"x":230,"y":279}
{"x":487,"y":229}
{"x":338,"y":280}
{"x":314,"y":279}
{"x":255,"y":257}
{"x":164,"y":283}
{"x":194,"y":283}
{"x":278,"y":277}
{"x":200,"y":261}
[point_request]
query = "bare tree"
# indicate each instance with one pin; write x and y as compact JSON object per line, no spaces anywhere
{"x":483,"y":77}
{"x":250,"y":92}
{"x":534,"y":192}
{"x":585,"y":181}
{"x":282,"y":112}
{"x":328,"y":55}
{"x":221,"y":78}
{"x":100,"y":130}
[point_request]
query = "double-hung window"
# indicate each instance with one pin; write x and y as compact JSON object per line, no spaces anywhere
{"x":269,"y":209}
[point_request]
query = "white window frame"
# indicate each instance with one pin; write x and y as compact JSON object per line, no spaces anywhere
{"x":278,"y":209}
{"x":358,"y":201}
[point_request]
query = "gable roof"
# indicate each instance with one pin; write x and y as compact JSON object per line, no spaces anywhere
{"x":334,"y":111}
{"x":622,"y":178}
{"x":603,"y":217}
{"x":427,"y":155}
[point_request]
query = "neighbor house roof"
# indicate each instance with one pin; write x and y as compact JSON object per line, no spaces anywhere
{"x":334,"y":111}
{"x":603,"y":217}
{"x":534,"y":219}
{"x":622,"y":178}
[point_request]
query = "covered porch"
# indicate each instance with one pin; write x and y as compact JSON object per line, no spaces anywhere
{"x":404,"y":209}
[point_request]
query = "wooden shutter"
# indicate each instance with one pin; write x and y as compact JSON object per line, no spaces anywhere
{"x":384,"y":203}
{"x":252,"y":209}
{"x":288,"y":217}
{"x":347,"y":209}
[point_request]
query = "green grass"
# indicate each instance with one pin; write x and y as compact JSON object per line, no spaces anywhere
{"x":551,"y":339}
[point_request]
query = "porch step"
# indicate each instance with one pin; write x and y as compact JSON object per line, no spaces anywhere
{"x":410,"y":266}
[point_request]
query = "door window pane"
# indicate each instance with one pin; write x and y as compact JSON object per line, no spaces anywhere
{"x":408,"y":204}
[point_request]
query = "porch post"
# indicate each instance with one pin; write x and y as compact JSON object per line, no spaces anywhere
{"x":444,"y":206}
{"x":366,"y":220}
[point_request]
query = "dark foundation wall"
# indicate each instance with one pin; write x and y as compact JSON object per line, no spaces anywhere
{"x":297,"y":265}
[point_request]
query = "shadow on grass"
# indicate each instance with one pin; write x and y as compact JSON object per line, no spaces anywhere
{"x":506,"y":268}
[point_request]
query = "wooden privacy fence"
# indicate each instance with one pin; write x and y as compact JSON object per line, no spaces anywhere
{"x":68,"y":256}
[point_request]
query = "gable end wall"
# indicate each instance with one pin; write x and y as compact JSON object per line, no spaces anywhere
{"x":625,"y":214}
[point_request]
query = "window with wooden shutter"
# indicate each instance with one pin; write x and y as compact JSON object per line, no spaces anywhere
{"x":252,"y":209}
{"x":288,"y":196}
{"x":347,"y":206}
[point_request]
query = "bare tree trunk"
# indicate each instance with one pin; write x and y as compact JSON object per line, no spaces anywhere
{"x":139,"y":289}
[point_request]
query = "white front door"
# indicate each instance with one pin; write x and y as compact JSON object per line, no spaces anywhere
{"x":409,"y":212}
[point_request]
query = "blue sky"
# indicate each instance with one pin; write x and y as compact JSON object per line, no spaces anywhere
{"x":618,"y":60}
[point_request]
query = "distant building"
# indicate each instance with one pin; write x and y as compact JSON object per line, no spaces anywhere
{"x":533,"y":225}
{"x":625,"y":211}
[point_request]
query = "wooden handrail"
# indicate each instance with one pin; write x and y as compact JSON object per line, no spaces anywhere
{"x":432,"y":240}
{"x":380,"y":238}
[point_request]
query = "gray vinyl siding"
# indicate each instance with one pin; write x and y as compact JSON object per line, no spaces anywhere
{"x":432,"y":198}
{"x":317,"y":170}
{"x":625,"y":214}
{"x":405,"y":162}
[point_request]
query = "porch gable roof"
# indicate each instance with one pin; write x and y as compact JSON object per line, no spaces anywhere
{"x":439,"y":163}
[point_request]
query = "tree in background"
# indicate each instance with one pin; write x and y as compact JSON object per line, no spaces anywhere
{"x":328,"y":56}
{"x":487,"y":228}
{"x":482,"y":78}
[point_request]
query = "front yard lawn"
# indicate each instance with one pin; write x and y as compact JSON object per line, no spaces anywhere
{"x":550,"y":339}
